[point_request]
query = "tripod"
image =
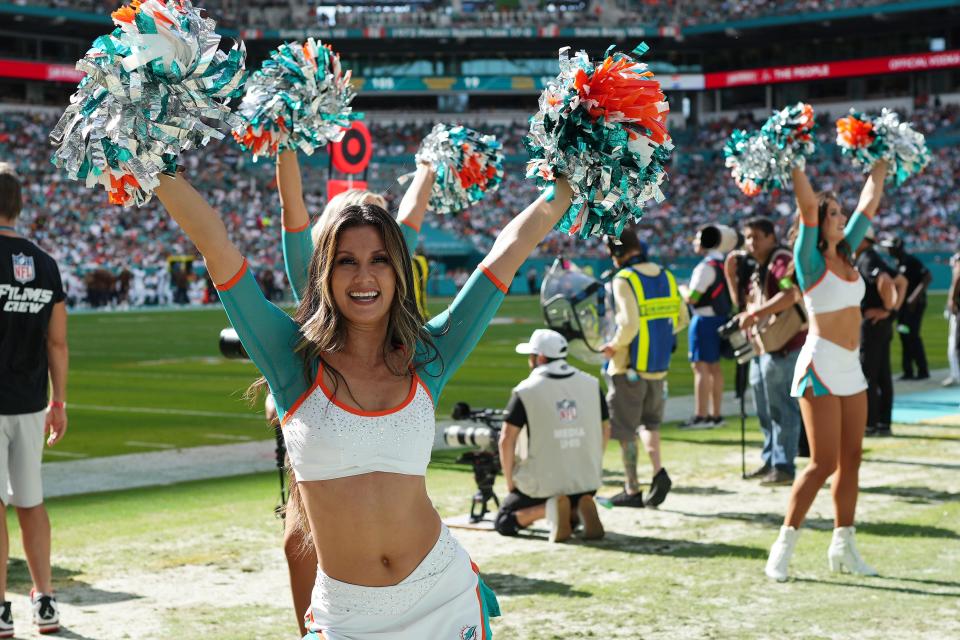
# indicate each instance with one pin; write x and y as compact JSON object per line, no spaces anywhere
{"x":742,"y":378}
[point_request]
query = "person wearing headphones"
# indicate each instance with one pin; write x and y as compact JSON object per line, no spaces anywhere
{"x":649,"y":314}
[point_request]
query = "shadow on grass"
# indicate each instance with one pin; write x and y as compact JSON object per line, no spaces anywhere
{"x":916,"y":495}
{"x":766,"y":520}
{"x":677,"y":548}
{"x":446,"y":460}
{"x":915,"y":463}
{"x":903,"y":530}
{"x":509,"y":584}
{"x":701,"y":491}
{"x":69,"y":588}
{"x":875,"y":584}
{"x":713,"y":441}
{"x":899,"y":436}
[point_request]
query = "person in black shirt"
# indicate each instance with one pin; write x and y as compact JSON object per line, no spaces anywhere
{"x":911,"y":313}
{"x":884,"y":293}
{"x":33,"y":355}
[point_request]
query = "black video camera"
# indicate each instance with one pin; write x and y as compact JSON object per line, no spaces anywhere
{"x":230,"y":346}
{"x":486,"y":459}
{"x":742,"y":348}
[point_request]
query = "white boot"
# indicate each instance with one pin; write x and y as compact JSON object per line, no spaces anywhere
{"x":780,"y":554}
{"x":843,"y":555}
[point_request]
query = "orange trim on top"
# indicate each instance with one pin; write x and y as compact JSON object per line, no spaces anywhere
{"x":483,"y":627}
{"x":424,"y":385}
{"x":234,"y":280}
{"x":494,"y":279}
{"x":368,"y":414}
{"x":306,"y":394}
{"x":409,"y":224}
{"x":296,"y":229}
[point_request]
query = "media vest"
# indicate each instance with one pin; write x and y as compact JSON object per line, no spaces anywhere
{"x":560,"y":451}
{"x":421,"y":271}
{"x":659,"y":303}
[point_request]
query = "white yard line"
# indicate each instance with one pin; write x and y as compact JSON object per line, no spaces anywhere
{"x":168,"y":412}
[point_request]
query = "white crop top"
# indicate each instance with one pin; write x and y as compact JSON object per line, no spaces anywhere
{"x":832,"y":293}
{"x":327,"y":439}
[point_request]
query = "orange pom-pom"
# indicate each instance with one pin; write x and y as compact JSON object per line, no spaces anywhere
{"x":616,"y":91}
{"x":118,"y":191}
{"x":855,"y":133}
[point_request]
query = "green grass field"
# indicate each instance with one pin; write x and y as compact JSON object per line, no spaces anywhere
{"x":203,"y":559}
{"x":144,"y":381}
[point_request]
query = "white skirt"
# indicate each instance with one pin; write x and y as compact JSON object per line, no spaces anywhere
{"x":443,"y":597}
{"x":828,"y":369}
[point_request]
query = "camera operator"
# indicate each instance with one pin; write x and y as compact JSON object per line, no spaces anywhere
{"x":649,"y":313}
{"x":708,"y":295}
{"x":552,"y":444}
{"x":777,"y":329}
{"x":885,"y":292}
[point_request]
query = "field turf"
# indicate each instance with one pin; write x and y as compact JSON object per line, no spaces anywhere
{"x":152,"y":380}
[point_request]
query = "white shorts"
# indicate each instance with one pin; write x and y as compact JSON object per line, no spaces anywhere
{"x":828,"y":369}
{"x":21,"y":451}
{"x":443,"y":599}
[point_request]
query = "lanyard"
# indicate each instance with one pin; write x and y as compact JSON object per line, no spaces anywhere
{"x":6,"y":227}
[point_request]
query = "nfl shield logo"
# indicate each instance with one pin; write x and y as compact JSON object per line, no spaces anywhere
{"x":567,"y":410}
{"x":23,"y":271}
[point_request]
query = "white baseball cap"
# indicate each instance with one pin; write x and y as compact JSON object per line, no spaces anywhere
{"x":546,"y":343}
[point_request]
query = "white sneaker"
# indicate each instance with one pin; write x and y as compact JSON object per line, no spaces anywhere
{"x":780,"y":554}
{"x":843,"y":555}
{"x":6,"y":620}
{"x":46,"y":615}
{"x":950,"y":382}
{"x":558,"y":515}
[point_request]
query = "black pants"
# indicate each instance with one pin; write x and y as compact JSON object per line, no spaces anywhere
{"x":506,"y":522}
{"x":912,"y":343}
{"x":875,"y":359}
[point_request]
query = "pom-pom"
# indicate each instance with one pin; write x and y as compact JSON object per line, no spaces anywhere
{"x":468,"y":166}
{"x":155,"y":87}
{"x":867,"y":139}
{"x":299,"y":99}
{"x":763,"y":160}
{"x":602,"y":127}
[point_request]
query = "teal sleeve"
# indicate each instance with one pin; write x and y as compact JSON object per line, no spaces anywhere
{"x":856,"y":229}
{"x":806,"y":256}
{"x":297,"y":251}
{"x":458,"y":329}
{"x":269,"y":337}
{"x":411,"y":236}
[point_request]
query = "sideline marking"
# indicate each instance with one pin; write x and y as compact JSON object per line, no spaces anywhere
{"x":226,"y":436}
{"x":170,"y":412}
{"x":150,"y":445}
{"x":63,"y":454}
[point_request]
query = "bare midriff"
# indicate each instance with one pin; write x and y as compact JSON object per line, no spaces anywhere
{"x":373,"y":529}
{"x":841,"y":327}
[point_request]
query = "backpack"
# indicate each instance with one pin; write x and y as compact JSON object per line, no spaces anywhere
{"x":717,"y":296}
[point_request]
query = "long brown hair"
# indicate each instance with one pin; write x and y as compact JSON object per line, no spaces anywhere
{"x":824,"y":198}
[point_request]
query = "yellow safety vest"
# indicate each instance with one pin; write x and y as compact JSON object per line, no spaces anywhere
{"x":652,"y":308}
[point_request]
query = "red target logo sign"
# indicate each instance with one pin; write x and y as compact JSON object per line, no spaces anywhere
{"x":352,"y":154}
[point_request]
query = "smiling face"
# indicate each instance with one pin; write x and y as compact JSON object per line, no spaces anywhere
{"x":833,"y":221}
{"x":363,"y":282}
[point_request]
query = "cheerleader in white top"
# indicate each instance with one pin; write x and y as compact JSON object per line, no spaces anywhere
{"x":828,"y":380}
{"x":355,"y":376}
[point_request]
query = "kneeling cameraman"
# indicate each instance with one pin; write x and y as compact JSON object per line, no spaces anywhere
{"x":555,"y":469}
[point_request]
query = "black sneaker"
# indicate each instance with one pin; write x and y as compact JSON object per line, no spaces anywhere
{"x":759,"y":473}
{"x":624,"y":499}
{"x":6,"y":621}
{"x":883,"y":431}
{"x":716,"y":421}
{"x":45,"y":612}
{"x":659,"y":488}
{"x":696,"y":422}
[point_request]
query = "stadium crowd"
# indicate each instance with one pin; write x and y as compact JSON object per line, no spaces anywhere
{"x":662,"y":13}
{"x":699,"y":189}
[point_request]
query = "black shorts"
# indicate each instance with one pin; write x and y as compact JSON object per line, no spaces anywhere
{"x":506,"y":522}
